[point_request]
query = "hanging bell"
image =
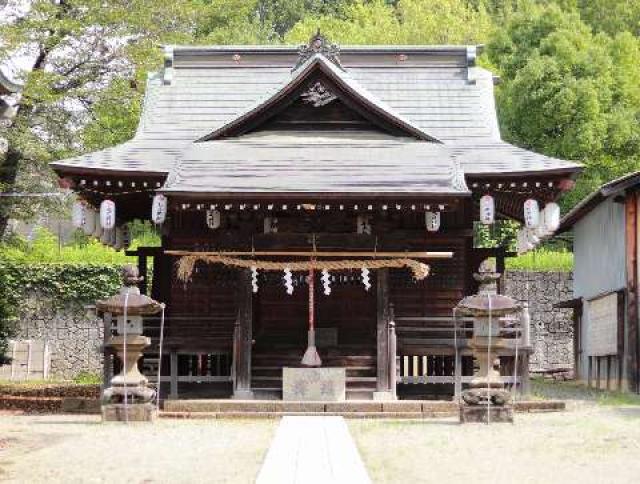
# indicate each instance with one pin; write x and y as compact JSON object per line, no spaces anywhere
{"x":487,"y":210}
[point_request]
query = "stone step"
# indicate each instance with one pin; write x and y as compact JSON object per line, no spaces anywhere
{"x":351,"y":408}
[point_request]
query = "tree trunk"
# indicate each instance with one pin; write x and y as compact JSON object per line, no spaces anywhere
{"x":11,"y":163}
{"x":8,"y":175}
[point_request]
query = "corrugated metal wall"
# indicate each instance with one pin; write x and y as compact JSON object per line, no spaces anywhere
{"x":599,"y":264}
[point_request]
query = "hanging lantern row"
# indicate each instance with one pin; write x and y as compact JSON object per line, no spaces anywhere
{"x":100,"y":224}
{"x":312,"y":207}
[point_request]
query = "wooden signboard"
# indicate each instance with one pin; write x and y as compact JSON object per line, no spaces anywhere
{"x":602,"y":329}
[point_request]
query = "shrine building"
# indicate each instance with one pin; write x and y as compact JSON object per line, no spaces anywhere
{"x":358,"y":172}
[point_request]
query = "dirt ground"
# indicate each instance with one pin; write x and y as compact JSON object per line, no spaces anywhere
{"x":79,"y":449}
{"x":591,"y":443}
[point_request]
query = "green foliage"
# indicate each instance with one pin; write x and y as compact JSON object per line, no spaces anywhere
{"x":403,"y":22}
{"x":544,"y":260}
{"x":568,"y":92}
{"x":62,"y":283}
{"x":572,"y":390}
{"x":45,"y":249}
{"x":87,"y":378}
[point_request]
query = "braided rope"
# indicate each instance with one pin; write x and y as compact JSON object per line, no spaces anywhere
{"x":186,"y":264}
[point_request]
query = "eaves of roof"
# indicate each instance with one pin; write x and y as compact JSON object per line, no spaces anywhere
{"x":631,"y":180}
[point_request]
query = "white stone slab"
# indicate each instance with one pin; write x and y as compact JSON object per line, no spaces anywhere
{"x":314,"y":384}
{"x":310,"y":450}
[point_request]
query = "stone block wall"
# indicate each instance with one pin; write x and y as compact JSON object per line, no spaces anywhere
{"x":551,"y":329}
{"x":75,"y":337}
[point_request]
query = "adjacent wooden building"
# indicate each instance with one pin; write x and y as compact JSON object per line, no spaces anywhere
{"x":605,"y":232}
{"x":293,"y":150}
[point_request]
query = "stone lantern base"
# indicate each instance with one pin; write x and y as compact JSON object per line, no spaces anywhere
{"x":486,"y":405}
{"x":485,"y":414}
{"x":133,"y":412}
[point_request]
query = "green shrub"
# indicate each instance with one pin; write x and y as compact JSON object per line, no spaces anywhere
{"x":88,"y":378}
{"x":542,"y":260}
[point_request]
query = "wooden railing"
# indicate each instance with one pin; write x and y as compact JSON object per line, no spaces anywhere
{"x":436,"y":350}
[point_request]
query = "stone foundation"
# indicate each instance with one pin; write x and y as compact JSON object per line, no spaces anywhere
{"x":482,"y":414}
{"x":75,"y":337}
{"x":134,"y":412}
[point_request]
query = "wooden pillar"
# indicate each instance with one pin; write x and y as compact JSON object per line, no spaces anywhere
{"x":173,"y":371}
{"x":631,"y":236}
{"x":501,"y":269}
{"x":523,"y":372}
{"x":142,"y":270}
{"x":457,"y":385}
{"x":382,"y":332}
{"x":243,"y":336}
{"x":107,"y":352}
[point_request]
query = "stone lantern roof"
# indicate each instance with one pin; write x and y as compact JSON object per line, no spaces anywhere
{"x":137,"y":304}
{"x":487,"y":301}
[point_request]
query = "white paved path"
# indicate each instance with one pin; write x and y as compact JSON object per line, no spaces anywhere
{"x":308,"y":450}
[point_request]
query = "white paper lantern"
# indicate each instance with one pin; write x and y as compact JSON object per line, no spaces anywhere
{"x":90,"y":221}
{"x":77,"y":214}
{"x":487,"y":210}
{"x":213,"y":219}
{"x":552,"y":217}
{"x":270,"y":225}
{"x":531,"y":213}
{"x":108,"y":214}
{"x":363,"y":224}
{"x":432,"y":221}
{"x":159,"y":209}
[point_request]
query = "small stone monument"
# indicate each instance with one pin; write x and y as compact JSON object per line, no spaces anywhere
{"x":129,"y":398}
{"x":487,"y":400}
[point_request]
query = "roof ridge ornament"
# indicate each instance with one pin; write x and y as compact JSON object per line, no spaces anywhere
{"x":318,"y":44}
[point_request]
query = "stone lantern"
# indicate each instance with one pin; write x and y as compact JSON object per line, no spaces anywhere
{"x":487,"y":400}
{"x":129,"y":397}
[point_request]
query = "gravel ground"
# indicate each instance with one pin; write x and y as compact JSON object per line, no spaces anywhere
{"x":79,"y":449}
{"x":590,"y":444}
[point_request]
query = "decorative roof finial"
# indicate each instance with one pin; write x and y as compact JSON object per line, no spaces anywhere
{"x":318,"y":44}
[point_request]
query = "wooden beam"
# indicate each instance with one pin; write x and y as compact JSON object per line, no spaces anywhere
{"x":408,"y":255}
{"x":243,"y":339}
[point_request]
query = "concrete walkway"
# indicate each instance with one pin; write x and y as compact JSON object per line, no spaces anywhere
{"x":312,"y":450}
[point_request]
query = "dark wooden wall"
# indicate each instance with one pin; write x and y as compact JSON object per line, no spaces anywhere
{"x":202,"y":312}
